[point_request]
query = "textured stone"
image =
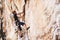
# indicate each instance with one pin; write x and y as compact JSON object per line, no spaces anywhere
{"x":43,"y":17}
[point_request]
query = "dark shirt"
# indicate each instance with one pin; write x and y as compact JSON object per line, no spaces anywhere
{"x":15,"y":17}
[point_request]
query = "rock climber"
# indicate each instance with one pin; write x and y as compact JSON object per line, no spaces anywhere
{"x":19,"y":24}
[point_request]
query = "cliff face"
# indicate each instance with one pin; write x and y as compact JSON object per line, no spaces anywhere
{"x":43,"y":17}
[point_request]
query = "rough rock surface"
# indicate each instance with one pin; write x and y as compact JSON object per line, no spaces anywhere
{"x":43,"y":17}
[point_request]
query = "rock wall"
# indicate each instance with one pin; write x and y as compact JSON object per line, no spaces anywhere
{"x":43,"y":17}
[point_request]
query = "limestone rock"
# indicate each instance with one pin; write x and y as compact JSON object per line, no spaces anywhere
{"x":43,"y":17}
